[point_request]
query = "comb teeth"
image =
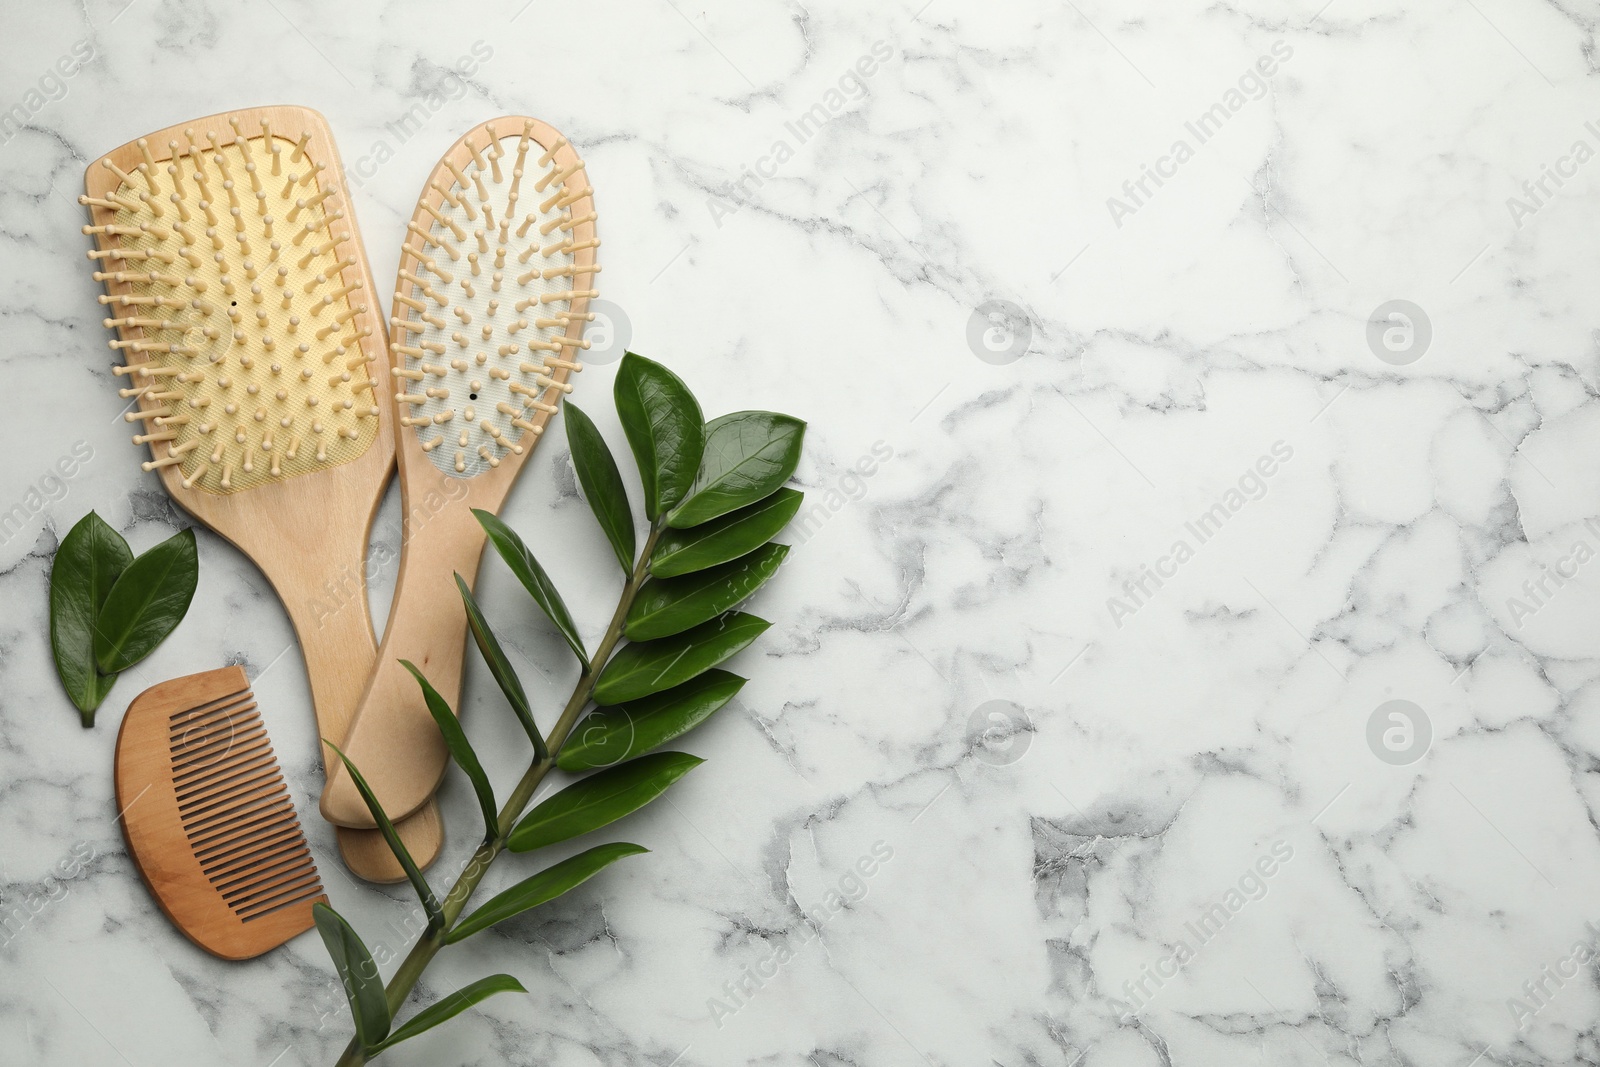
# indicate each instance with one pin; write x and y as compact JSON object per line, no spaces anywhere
{"x":235,"y":808}
{"x":494,"y":281}
{"x":231,"y":286}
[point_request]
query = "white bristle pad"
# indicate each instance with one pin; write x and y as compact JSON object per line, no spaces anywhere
{"x":268,"y":381}
{"x":487,"y":370}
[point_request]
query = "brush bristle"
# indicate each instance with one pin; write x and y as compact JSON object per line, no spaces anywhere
{"x":236,"y":811}
{"x":481,"y":345}
{"x":235,"y":295}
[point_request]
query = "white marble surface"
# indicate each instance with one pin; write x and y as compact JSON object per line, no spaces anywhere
{"x":1048,"y":884}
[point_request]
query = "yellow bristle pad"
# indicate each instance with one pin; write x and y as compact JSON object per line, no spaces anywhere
{"x":481,"y":319}
{"x":249,"y":386}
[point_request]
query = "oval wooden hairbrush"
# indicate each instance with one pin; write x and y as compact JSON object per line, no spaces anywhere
{"x":489,"y":309}
{"x":244,"y":310}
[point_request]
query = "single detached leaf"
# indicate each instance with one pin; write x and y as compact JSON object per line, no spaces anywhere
{"x":147,"y":602}
{"x":455,"y":740}
{"x":602,"y":483}
{"x":747,"y":456}
{"x":544,"y":886}
{"x":430,"y":903}
{"x":729,"y":537}
{"x":451,"y":1006}
{"x":610,"y":735}
{"x":357,"y":973}
{"x":665,"y":430}
{"x":533,"y":579}
{"x":600,"y":799}
{"x":641,"y":669}
{"x":667,"y":606}
{"x":88,"y":562}
{"x":504,"y":674}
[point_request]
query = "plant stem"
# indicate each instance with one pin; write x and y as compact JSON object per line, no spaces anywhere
{"x":405,"y":978}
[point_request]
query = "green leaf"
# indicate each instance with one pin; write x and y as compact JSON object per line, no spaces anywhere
{"x":544,"y":886}
{"x":667,"y":606}
{"x":358,"y":974}
{"x":146,"y":603}
{"x":451,"y":1006}
{"x":602,"y":483}
{"x":430,"y":903}
{"x":90,"y":559}
{"x":610,"y":735}
{"x":665,"y":430}
{"x":720,"y":540}
{"x":504,"y":674}
{"x":600,"y":799}
{"x":455,"y":740}
{"x":748,"y":455}
{"x":533,"y":578}
{"x":641,"y":669}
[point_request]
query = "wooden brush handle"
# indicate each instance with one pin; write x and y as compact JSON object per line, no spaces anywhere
{"x":367,"y":854}
{"x":326,"y":597}
{"x":393,"y":740}
{"x":327,"y":604}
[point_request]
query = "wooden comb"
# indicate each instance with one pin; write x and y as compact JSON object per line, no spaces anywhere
{"x":208,"y":818}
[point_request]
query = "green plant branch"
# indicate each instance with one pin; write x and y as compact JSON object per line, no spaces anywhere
{"x":410,"y":971}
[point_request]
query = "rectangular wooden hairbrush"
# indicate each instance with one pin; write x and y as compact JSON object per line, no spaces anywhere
{"x":253,"y":345}
{"x":208,"y":819}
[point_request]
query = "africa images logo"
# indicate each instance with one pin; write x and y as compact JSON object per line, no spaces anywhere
{"x":999,"y":332}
